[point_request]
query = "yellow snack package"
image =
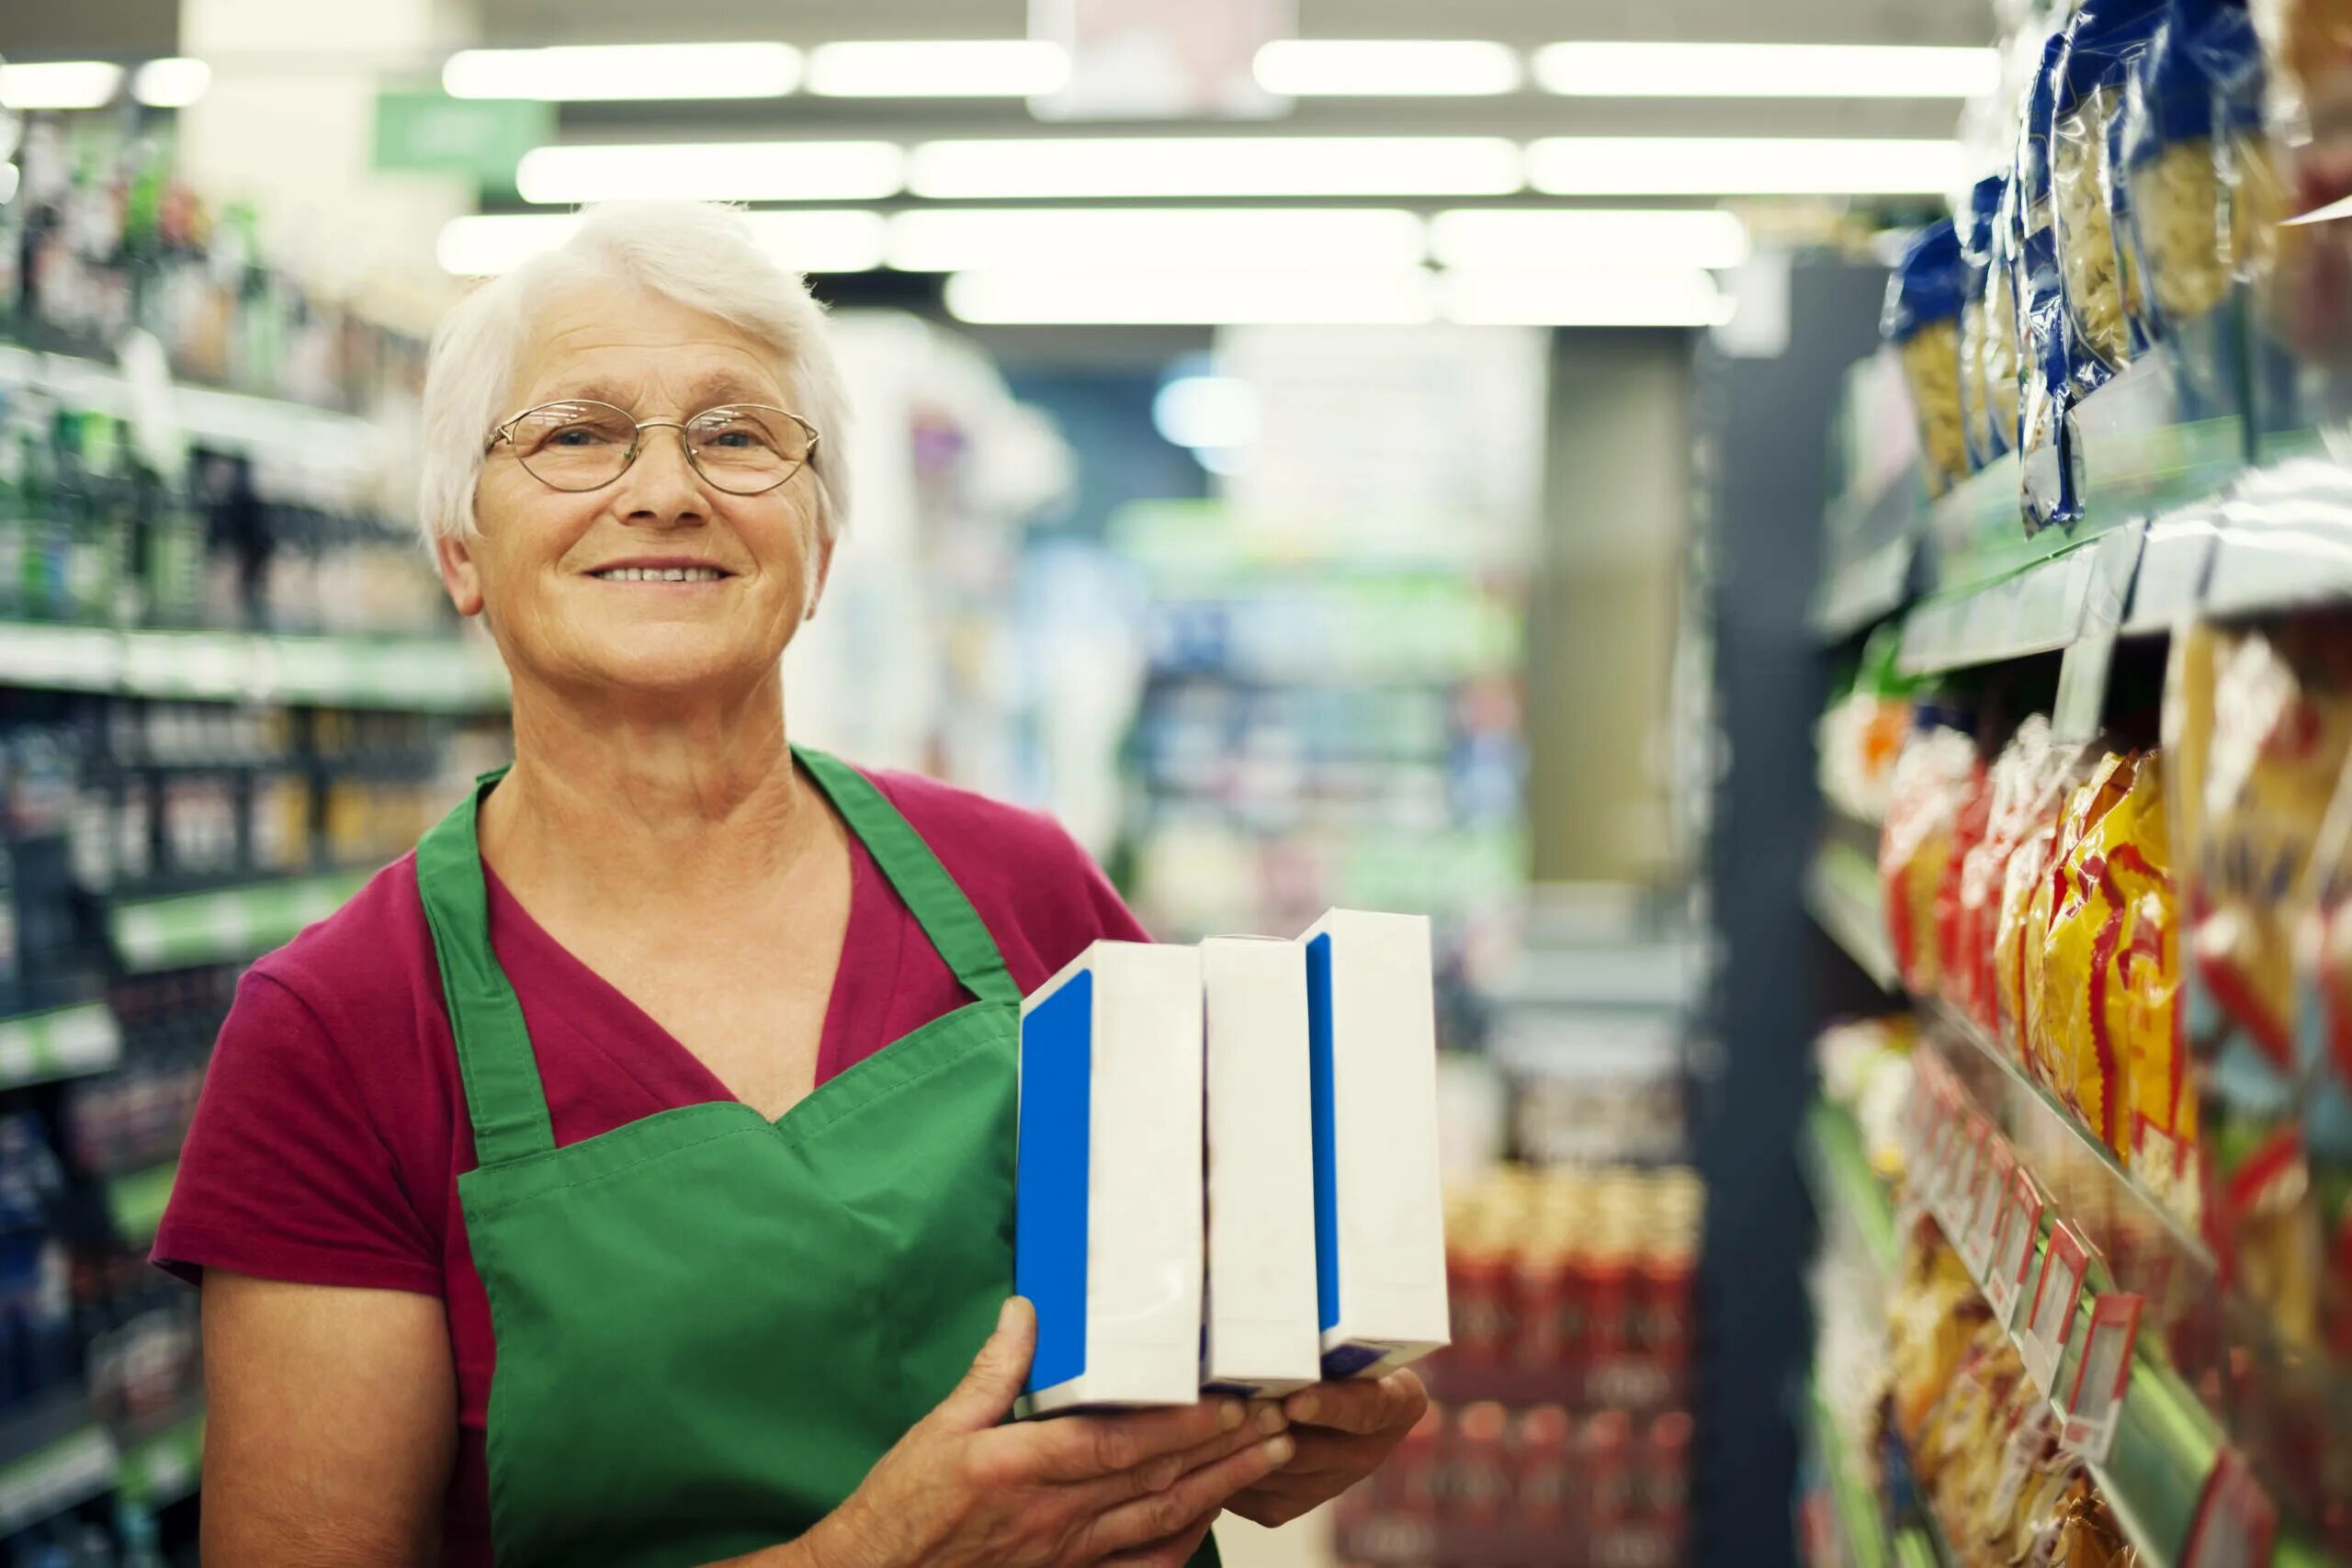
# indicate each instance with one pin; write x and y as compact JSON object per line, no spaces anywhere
{"x":2059,"y":935}
{"x":2017,"y":939}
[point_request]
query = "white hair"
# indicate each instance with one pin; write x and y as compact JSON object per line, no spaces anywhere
{"x":698,"y":254}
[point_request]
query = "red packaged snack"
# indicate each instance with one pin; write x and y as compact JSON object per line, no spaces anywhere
{"x":1969,"y":826}
{"x":1914,"y":853}
{"x":1481,"y":1467}
{"x":1542,"y":1468}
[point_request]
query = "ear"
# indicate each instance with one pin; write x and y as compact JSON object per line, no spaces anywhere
{"x":821,"y":569}
{"x":460,"y":573}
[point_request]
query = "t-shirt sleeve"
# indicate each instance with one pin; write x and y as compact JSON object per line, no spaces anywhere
{"x":283,"y":1175}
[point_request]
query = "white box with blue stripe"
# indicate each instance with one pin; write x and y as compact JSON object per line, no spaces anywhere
{"x":1379,"y":1211}
{"x":1107,"y":1232}
{"x":1258,"y":1335}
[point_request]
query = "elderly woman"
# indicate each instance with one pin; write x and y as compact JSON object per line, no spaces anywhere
{"x":624,"y":1177}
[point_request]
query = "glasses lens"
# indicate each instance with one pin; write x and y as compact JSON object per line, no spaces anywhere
{"x":746,"y":448}
{"x":574,"y":446}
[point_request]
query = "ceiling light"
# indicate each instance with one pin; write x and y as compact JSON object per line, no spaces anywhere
{"x":1707,"y":165}
{"x":1766,"y":70}
{"x":1215,"y":412}
{"x":939,"y":68}
{"x":1569,"y":297}
{"x":1083,"y":238}
{"x":1193,"y":297}
{"x":171,"y":83}
{"x":60,"y":84}
{"x":579,"y":73}
{"x":722,"y":171}
{"x":1384,"y":68}
{"x":1217,"y":165}
{"x":804,"y":241}
{"x":1519,"y":237}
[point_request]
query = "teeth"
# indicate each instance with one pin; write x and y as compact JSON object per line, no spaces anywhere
{"x":662,"y":574}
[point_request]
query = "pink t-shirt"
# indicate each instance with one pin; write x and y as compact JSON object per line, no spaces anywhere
{"x":332,"y":1126}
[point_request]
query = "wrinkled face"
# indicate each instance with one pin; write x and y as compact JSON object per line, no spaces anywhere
{"x":575,"y":586}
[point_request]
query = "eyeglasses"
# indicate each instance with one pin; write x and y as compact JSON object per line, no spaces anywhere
{"x":582,"y":445}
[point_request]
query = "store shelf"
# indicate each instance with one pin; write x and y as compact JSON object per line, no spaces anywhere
{"x":2041,"y":608}
{"x":1838,"y":1169}
{"x":407,"y":673}
{"x":226,"y":926}
{"x":54,"y":1456}
{"x":165,"y":1464}
{"x":1842,"y":892}
{"x":236,"y":421}
{"x":1860,"y":1521}
{"x":62,"y":1042}
{"x":1865,"y":590}
{"x":136,"y":1201}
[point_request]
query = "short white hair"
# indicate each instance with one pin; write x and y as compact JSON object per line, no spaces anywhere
{"x":699,"y":253}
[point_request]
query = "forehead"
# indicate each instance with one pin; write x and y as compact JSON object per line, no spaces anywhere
{"x":644,"y":351}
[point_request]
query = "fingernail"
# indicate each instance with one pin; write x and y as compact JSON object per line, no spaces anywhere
{"x":1006,"y":1314}
{"x":1278,"y":1450}
{"x":1305,"y":1407}
{"x":1271,"y":1418}
{"x":1228,"y":1414}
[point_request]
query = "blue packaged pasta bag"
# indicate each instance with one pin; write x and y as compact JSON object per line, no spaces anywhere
{"x":2085,"y":182}
{"x":1980,"y":435}
{"x":2044,"y":447}
{"x":1921,"y":321}
{"x":2193,"y":105}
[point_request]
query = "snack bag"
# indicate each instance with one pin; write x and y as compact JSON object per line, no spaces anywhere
{"x":2044,"y":443}
{"x":1915,"y":849}
{"x":1968,"y":830}
{"x":2009,"y":799}
{"x":2270,"y":709}
{"x":1921,"y":320}
{"x":2086,"y":111}
{"x":2018,"y":939}
{"x":1977,"y":404}
{"x":2324,"y":1052}
{"x":2307,"y":47}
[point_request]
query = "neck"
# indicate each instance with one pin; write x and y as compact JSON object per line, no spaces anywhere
{"x":650,"y":802}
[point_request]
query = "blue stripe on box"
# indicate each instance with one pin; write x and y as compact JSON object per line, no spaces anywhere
{"x":1050,"y":1177}
{"x":1320,"y":1122}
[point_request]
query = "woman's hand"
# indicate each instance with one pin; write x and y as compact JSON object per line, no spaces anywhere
{"x":1343,"y":1431}
{"x":960,"y":1491}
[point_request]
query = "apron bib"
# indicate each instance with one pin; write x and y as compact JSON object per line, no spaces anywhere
{"x":710,"y":1325}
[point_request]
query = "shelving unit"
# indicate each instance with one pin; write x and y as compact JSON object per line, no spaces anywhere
{"x":62,"y":1042}
{"x":225,"y":926}
{"x":435,"y":675}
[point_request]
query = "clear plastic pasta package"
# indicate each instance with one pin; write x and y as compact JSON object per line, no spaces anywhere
{"x":1981,"y":438}
{"x":2303,"y":269}
{"x":1921,"y":321}
{"x":2002,"y":368}
{"x":2087,"y":107}
{"x":2045,"y":446}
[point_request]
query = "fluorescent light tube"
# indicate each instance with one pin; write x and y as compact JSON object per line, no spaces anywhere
{"x":60,"y":84}
{"x":1215,"y":165}
{"x":805,"y":242}
{"x":1081,"y":238}
{"x":722,"y":171}
{"x":1766,"y":70}
{"x":1386,"y":68}
{"x":1190,"y":297}
{"x":171,"y":83}
{"x":1709,"y":165}
{"x":1216,"y":412}
{"x":939,"y":68}
{"x":578,"y":74}
{"x":1657,"y":297}
{"x":1588,"y":237}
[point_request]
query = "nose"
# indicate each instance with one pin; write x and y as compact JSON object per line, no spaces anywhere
{"x":661,"y":488}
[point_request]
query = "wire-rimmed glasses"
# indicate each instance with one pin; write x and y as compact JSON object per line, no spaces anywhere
{"x":579,"y":444}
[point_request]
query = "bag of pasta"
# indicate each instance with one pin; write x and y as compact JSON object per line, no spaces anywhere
{"x":1931,"y":779}
{"x":2045,"y":444}
{"x":2059,"y":968}
{"x":2004,"y":333}
{"x":2087,"y":112}
{"x":1921,"y":320}
{"x":2307,"y":47}
{"x":1976,"y":402}
{"x":2262,"y":717}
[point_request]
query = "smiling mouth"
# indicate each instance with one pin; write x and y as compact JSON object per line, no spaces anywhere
{"x":660,"y":574}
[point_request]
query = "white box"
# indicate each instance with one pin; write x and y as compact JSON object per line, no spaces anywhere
{"x":1108,"y":1210}
{"x":1259,"y":1332}
{"x":1379,"y":1213}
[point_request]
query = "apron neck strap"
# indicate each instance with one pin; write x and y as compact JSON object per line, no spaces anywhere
{"x":931,"y":896}
{"x":503,"y":1090}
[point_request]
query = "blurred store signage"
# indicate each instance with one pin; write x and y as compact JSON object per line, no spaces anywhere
{"x":1161,"y":59}
{"x":434,"y":133}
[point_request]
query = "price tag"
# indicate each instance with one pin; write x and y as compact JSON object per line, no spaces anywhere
{"x":2095,"y":1402}
{"x":1992,"y":1176}
{"x":1966,"y":1161}
{"x":2236,"y":1525}
{"x":2051,"y":1317}
{"x":2013,"y":1240}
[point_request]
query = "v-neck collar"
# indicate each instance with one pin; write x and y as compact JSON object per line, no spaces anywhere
{"x":637,"y":1044}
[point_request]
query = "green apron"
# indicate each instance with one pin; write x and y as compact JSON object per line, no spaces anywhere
{"x":710,"y":1325}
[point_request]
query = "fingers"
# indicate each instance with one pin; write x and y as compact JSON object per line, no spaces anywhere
{"x":1160,"y":1474}
{"x":989,"y":1389}
{"x":1173,"y":1552}
{"x":1363,"y":1408}
{"x":1196,"y":1496}
{"x":1084,"y":1448}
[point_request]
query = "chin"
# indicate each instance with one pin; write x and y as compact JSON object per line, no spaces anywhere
{"x":679,"y":665}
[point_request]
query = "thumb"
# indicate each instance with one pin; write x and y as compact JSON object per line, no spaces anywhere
{"x":988,"y":1391}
